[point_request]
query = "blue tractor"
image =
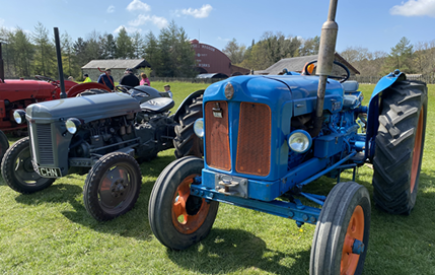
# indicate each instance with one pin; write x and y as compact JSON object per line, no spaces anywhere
{"x":267,"y":137}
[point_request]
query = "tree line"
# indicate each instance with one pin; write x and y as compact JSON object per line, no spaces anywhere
{"x":270,"y":49}
{"x":27,"y":54}
{"x":171,"y":55}
{"x":418,"y":58}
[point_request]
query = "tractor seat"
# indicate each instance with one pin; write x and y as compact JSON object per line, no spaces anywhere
{"x":350,"y":86}
{"x":159,"y":104}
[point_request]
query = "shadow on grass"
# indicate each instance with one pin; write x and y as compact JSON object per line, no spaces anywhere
{"x":228,"y":250}
{"x":132,"y":224}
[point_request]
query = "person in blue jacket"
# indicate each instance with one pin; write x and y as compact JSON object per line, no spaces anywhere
{"x":106,"y":79}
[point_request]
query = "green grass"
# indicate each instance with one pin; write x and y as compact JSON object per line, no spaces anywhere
{"x":50,"y":232}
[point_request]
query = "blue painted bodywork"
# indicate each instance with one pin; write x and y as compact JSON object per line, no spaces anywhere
{"x":373,"y":109}
{"x":339,"y":146}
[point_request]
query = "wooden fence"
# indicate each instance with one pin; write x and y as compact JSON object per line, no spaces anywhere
{"x":362,"y":79}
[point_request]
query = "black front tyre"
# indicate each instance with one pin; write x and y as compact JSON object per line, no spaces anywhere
{"x":17,"y":169}
{"x":342,"y":232}
{"x":177,"y":219}
{"x":4,"y":144}
{"x":112,"y":186}
{"x":187,"y":143}
{"x":399,"y":146}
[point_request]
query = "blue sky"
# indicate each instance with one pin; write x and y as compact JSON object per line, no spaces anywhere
{"x":374,"y":24}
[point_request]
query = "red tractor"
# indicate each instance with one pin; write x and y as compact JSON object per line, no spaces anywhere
{"x":19,"y":93}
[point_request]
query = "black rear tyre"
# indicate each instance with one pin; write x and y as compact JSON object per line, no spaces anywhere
{"x":187,"y":143}
{"x":399,"y":146}
{"x":342,"y":232}
{"x":177,"y":219}
{"x":17,"y":169}
{"x":4,"y":144}
{"x":112,"y":186}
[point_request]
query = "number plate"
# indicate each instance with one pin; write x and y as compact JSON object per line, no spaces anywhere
{"x":50,"y":172}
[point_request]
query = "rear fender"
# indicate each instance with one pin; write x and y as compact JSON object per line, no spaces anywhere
{"x":373,"y":109}
{"x":186,"y":101}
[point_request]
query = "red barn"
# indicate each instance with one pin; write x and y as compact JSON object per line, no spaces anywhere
{"x":211,"y":60}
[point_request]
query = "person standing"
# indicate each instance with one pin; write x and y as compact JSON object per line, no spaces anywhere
{"x":106,"y":79}
{"x":144,"y":80}
{"x":129,"y":79}
{"x":167,"y":88}
{"x":87,"y":78}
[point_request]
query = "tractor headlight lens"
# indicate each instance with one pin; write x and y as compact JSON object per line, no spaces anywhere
{"x":299,"y":141}
{"x":72,"y":125}
{"x":19,"y":116}
{"x":198,"y":127}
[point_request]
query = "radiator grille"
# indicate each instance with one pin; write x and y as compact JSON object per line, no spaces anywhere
{"x":45,"y":146}
{"x":216,"y":134}
{"x":254,"y":139}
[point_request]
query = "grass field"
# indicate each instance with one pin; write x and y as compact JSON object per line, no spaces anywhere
{"x":50,"y":232}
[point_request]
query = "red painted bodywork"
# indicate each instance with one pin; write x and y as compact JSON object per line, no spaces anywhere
{"x":19,"y":93}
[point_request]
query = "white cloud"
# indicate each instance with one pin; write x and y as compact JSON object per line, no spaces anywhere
{"x":203,"y":12}
{"x":223,"y":39}
{"x":415,"y":8}
{"x":137,"y":5}
{"x":160,"y":22}
{"x":128,"y":29}
{"x":111,"y":9}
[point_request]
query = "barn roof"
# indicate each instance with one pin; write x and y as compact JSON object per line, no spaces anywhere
{"x":117,"y":64}
{"x":296,"y":64}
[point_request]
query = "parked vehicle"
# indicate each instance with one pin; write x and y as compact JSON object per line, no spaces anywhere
{"x":267,"y":137}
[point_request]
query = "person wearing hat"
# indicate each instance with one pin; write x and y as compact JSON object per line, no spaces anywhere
{"x":129,"y":79}
{"x":106,"y":79}
{"x":87,"y":78}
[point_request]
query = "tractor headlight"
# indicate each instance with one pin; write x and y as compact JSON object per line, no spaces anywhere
{"x":19,"y":116}
{"x":198,"y":127}
{"x":72,"y":125}
{"x":299,"y":141}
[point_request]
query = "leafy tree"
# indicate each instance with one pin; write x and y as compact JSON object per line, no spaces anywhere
{"x":424,"y":57}
{"x":67,"y":54}
{"x":366,"y":62}
{"x":45,"y":54}
{"x":124,"y":47}
{"x":234,"y":51}
{"x":176,"y":57}
{"x":400,"y":57}
{"x":151,"y":50}
{"x":79,"y":49}
{"x":137,"y":45}
{"x":310,"y":46}
{"x":108,"y":46}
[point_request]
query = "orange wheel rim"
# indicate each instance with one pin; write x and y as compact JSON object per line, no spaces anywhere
{"x":183,"y":221}
{"x":417,"y":150}
{"x":355,"y":231}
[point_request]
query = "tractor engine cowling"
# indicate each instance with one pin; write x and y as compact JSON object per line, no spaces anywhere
{"x":50,"y":140}
{"x":246,"y":131}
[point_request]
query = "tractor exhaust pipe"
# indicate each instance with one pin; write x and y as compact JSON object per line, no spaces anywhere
{"x":59,"y":63}
{"x":2,"y":68}
{"x":328,"y":38}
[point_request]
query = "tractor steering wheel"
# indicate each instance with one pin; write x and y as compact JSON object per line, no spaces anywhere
{"x":341,"y":79}
{"x":123,"y":89}
{"x":48,"y":79}
{"x":126,"y":88}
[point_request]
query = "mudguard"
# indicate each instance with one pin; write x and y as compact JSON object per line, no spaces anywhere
{"x":186,"y":101}
{"x":373,"y":110}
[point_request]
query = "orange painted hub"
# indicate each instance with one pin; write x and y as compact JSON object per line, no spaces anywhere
{"x":417,"y":149}
{"x":183,"y":221}
{"x":355,"y":230}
